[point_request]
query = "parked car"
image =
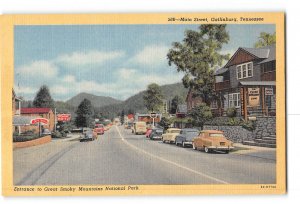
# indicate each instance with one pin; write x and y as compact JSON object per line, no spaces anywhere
{"x":148,"y":132}
{"x":170,"y":135}
{"x":99,"y":129}
{"x":212,"y":140}
{"x":89,"y":135}
{"x":186,"y":136}
{"x":129,"y":126}
{"x":156,"y":134}
{"x":139,"y":128}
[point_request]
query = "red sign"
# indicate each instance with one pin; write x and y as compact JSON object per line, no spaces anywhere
{"x":44,"y":121}
{"x":63,"y":117}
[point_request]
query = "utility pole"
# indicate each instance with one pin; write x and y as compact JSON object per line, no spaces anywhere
{"x":55,"y":119}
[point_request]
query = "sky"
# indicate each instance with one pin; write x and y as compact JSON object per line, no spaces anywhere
{"x":106,"y":60}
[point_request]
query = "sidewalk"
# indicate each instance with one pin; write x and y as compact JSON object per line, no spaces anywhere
{"x":255,"y":151}
{"x":70,"y":136}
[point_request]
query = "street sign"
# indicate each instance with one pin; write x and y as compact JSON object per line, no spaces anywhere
{"x":63,"y":117}
{"x":269,"y":92}
{"x":42,"y":121}
{"x":153,"y":115}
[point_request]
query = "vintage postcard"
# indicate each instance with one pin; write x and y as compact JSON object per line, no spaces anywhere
{"x":143,"y":104}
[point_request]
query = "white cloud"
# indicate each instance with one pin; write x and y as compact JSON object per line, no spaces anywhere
{"x":90,"y":57}
{"x":125,"y":73}
{"x":69,"y":79}
{"x":25,"y":90}
{"x":38,"y":69}
{"x":151,"y":55}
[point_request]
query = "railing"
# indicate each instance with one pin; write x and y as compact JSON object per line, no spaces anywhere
{"x":222,"y":85}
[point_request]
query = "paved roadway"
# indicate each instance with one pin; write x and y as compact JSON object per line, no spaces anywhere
{"x":118,"y":157}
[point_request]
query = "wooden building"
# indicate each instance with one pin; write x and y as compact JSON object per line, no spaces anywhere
{"x":247,"y":82}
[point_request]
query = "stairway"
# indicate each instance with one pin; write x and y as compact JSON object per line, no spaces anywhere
{"x":269,"y":141}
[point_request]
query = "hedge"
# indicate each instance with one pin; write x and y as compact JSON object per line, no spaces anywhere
{"x":24,"y":138}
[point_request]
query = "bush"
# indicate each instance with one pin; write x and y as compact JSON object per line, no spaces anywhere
{"x":231,"y":112}
{"x":250,"y":125}
{"x":24,"y":138}
{"x":56,"y":134}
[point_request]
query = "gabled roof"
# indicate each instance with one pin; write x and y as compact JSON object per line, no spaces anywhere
{"x":35,"y":110}
{"x":267,"y":53}
{"x":258,"y":52}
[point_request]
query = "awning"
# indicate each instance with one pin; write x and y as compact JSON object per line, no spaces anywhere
{"x":258,"y":83}
{"x":22,"y":120}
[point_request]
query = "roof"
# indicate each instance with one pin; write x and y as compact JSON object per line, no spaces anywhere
{"x":190,"y":129}
{"x":182,"y":108}
{"x":221,"y":71}
{"x":258,"y":52}
{"x":258,"y":83}
{"x":174,"y":129}
{"x":267,"y":53}
{"x":212,"y":131}
{"x":22,"y":120}
{"x":272,"y":54}
{"x":35,"y":110}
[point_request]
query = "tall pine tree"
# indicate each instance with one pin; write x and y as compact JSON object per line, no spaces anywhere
{"x":85,"y":114}
{"x":43,"y":98}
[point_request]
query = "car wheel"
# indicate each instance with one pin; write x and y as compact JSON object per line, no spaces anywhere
{"x":163,"y":141}
{"x":226,"y":151}
{"x":206,"y":150}
{"x":194,"y":147}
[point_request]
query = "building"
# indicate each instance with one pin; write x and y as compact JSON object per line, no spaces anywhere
{"x":38,"y":113}
{"x":192,"y":100}
{"x":181,"y":111}
{"x":247,"y":82}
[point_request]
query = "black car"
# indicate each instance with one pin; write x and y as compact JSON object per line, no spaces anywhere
{"x":185,"y":138}
{"x":156,"y":134}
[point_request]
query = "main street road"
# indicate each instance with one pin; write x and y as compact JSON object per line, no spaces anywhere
{"x":119,"y":157}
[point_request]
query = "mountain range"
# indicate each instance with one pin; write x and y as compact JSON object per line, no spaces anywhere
{"x":111,"y":107}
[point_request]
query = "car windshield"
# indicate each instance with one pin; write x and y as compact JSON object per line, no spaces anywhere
{"x":216,"y":135}
{"x":158,"y":131}
{"x":192,"y":134}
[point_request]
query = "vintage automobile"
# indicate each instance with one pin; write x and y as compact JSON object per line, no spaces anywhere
{"x":170,"y":135}
{"x":148,"y":133}
{"x":139,"y":128}
{"x":156,"y":134}
{"x":88,"y":135}
{"x":99,"y":129}
{"x":186,"y":136}
{"x":212,"y":140}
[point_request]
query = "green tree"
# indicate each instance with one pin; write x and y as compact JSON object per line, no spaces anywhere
{"x":197,"y":56}
{"x":85,"y":114}
{"x":43,"y":98}
{"x":122,"y":117}
{"x":265,"y":39}
{"x":174,"y":103}
{"x":200,"y":114}
{"x":165,"y":123}
{"x":153,"y":97}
